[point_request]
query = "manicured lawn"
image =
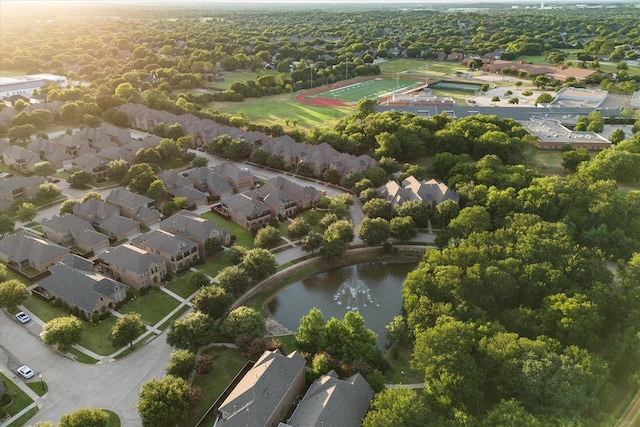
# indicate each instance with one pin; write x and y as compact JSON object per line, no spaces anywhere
{"x":181,"y":286}
{"x":114,"y":419}
{"x":242,"y":77}
{"x":24,"y":418}
{"x":213,"y":265}
{"x":170,"y":320}
{"x":227,"y":363}
{"x":39,"y":388}
{"x":20,"y":399}
{"x":548,"y":162}
{"x":374,"y":88}
{"x":275,"y":109}
{"x":152,"y":307}
{"x":243,"y":237}
{"x":81,"y":357}
{"x":96,"y":338}
{"x":43,"y":309}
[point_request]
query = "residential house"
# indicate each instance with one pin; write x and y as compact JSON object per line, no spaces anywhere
{"x":240,"y":179}
{"x":286,"y":198}
{"x":134,"y":206}
{"x":106,"y":219}
{"x":50,"y":150}
{"x":178,"y":251}
{"x":246,"y":210}
{"x":69,"y":231}
{"x":133,"y":266}
{"x":107,"y":135}
{"x":91,"y":164}
{"x":206,"y":180}
{"x":265,"y":394}
{"x":430,"y":193}
{"x":18,"y":188}
{"x":20,"y":159}
{"x":331,"y":401}
{"x":195,"y":228}
{"x":23,"y":251}
{"x":91,"y":292}
{"x":178,"y":185}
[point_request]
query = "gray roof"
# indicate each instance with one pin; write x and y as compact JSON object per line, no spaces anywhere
{"x":116,"y":224}
{"x":77,"y":227}
{"x":253,"y":400}
{"x":79,"y":287}
{"x":76,"y":261}
{"x":8,"y":185}
{"x":130,"y":258}
{"x":164,"y":242}
{"x":248,"y":203}
{"x":95,"y":210}
{"x":22,"y":246}
{"x":192,"y":226}
{"x":205,"y":175}
{"x":331,"y":401}
{"x":128,"y":199}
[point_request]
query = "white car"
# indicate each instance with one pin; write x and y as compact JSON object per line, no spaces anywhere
{"x":22,"y":317}
{"x":26,"y":371}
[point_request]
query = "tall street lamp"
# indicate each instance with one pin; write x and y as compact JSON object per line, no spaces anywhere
{"x":41,"y":382}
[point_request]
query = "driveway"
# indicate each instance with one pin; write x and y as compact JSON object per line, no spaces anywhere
{"x":72,"y":385}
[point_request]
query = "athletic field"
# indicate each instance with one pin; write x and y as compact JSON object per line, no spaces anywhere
{"x":378,"y":87}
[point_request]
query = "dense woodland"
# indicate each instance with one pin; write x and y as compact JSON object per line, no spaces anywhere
{"x":515,"y":319}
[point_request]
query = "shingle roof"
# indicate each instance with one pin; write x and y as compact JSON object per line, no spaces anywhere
{"x":253,"y":400}
{"x":8,"y":185}
{"x":164,"y":242}
{"x":128,"y":199}
{"x":130,"y":258}
{"x":22,"y":246}
{"x":79,"y":287}
{"x":80,"y":229}
{"x":192,"y":226}
{"x":95,"y":210}
{"x":331,"y":401}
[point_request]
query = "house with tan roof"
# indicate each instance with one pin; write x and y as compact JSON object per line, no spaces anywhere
{"x":430,"y":193}
{"x":133,"y":266}
{"x":265,"y":393}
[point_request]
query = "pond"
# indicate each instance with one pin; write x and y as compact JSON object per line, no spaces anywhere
{"x":373,"y":289}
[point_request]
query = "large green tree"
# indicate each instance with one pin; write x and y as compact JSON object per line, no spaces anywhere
{"x":126,"y":329}
{"x":192,"y":331}
{"x":400,"y":406}
{"x":85,"y":417}
{"x":212,"y":300}
{"x":259,"y":263}
{"x":12,"y":293}
{"x":62,"y":331}
{"x":163,"y":402}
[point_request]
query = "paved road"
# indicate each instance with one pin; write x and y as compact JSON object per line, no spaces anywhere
{"x":72,"y":385}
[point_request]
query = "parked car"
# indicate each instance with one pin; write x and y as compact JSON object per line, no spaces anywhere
{"x":22,"y":317}
{"x":26,"y":371}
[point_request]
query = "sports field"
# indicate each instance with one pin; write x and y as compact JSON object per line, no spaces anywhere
{"x":375,"y":88}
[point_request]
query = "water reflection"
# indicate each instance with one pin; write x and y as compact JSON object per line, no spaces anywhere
{"x":374,"y":289}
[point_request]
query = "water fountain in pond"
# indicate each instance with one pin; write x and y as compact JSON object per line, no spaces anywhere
{"x":354,"y":292}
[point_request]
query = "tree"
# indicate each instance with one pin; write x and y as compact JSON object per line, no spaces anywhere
{"x":3,"y":272}
{"x":267,"y":237}
{"x":259,"y":263}
{"x":163,"y":403}
{"x":12,"y":293}
{"x":233,"y":279}
{"x":469,"y":220}
{"x":400,"y":406}
{"x":544,"y":98}
{"x":341,"y":229}
{"x":45,"y":168}
{"x":243,"y":321}
{"x":26,"y":212}
{"x":85,"y":417}
{"x":212,"y":246}
{"x":374,"y":231}
{"x":510,"y":413}
{"x":198,"y":279}
{"x":378,"y":208}
{"x":157,"y":190}
{"x":91,"y":195}
{"x":6,"y":224}
{"x":310,"y":334}
{"x":199,"y":161}
{"x":298,"y":228}
{"x":62,"y":331}
{"x":47,"y":192}
{"x":403,"y":228}
{"x":79,"y":179}
{"x":126,"y":329}
{"x":192,"y":331}
{"x":617,"y":136}
{"x":416,"y":210}
{"x":181,"y":363}
{"x":212,"y":300}
{"x":139,"y":178}
{"x":571,"y":159}
{"x":117,"y":169}
{"x":311,"y":242}
{"x":21,"y":133}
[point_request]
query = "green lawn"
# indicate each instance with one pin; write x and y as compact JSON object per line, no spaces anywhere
{"x":374,"y":88}
{"x":18,"y":422}
{"x":242,"y":77}
{"x":38,"y":387}
{"x":20,"y":398}
{"x":275,"y":109}
{"x":170,"y":320}
{"x":227,"y":363}
{"x":213,"y":265}
{"x":548,"y":162}
{"x":243,"y":236}
{"x":43,"y":309}
{"x":401,"y":372}
{"x":152,"y":307}
{"x":114,"y":419}
{"x":96,"y":338}
{"x":181,"y":286}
